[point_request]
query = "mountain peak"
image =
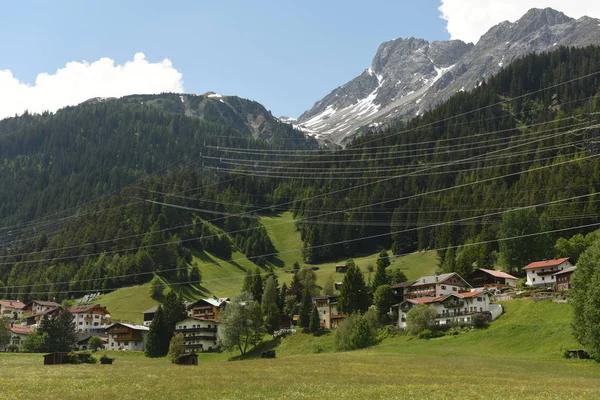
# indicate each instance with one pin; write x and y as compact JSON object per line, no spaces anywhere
{"x":408,"y":76}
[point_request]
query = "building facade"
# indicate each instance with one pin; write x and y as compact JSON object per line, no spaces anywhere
{"x":482,"y":277}
{"x":12,"y":309}
{"x":18,"y":333}
{"x":207,"y":308}
{"x":436,"y":285}
{"x":200,"y":334}
{"x":542,"y":273}
{"x":90,"y":318}
{"x":122,"y":336}
{"x":563,"y":279}
{"x":327,"y":307}
{"x":452,"y":308}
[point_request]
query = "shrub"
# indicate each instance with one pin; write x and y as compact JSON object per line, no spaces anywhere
{"x":420,"y":318}
{"x":357,"y":332}
{"x":480,"y":321}
{"x":430,"y":334}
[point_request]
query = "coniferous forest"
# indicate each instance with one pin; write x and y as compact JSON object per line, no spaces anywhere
{"x":107,"y":194}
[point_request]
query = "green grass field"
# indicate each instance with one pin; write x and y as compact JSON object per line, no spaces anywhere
{"x":517,"y":357}
{"x":224,"y":278}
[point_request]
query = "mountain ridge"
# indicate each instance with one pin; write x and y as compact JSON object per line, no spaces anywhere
{"x":412,"y":75}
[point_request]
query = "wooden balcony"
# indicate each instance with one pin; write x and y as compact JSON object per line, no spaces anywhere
{"x":192,"y":330}
{"x":454,"y":304}
{"x":117,"y":331}
{"x":200,"y":337}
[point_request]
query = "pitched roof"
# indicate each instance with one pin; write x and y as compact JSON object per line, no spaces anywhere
{"x":131,"y":326}
{"x":497,"y":274}
{"x":85,"y":308}
{"x":151,"y":310}
{"x":402,"y":285}
{"x":546,"y":263}
{"x":213,"y":301}
{"x":427,"y":300}
{"x":45,"y":303}
{"x":565,"y":271}
{"x":428,"y":280}
{"x":466,"y":295}
{"x":19,"y":329}
{"x":12,"y":304}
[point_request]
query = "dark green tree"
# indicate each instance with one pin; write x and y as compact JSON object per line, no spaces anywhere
{"x":314,"y":325}
{"x":383,"y":300}
{"x":257,"y":286}
{"x":272,"y":314}
{"x":354,"y":297}
{"x":306,"y":307}
{"x":157,"y":342}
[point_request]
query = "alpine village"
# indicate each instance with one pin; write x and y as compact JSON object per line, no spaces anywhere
{"x":431,"y":229}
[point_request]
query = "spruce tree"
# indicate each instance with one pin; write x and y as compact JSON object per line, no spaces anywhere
{"x":174,"y":309}
{"x":157,"y":342}
{"x":305,"y":309}
{"x":257,"y":286}
{"x":380,"y":277}
{"x":314,"y":325}
{"x":281,"y":297}
{"x":272,"y":315}
{"x":353,"y":294}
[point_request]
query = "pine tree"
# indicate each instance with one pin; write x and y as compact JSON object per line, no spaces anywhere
{"x":305,"y":309}
{"x":257,"y":286}
{"x":174,"y":309}
{"x":380,"y":277}
{"x":270,"y":309}
{"x":281,"y":298}
{"x":353,"y":294}
{"x":314,"y":325}
{"x":247,"y":286}
{"x":65,"y":327}
{"x":157,"y":342}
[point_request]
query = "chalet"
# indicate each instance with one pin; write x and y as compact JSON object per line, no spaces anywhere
{"x":342,"y":268}
{"x":541,"y":273}
{"x":563,"y":278}
{"x":328,"y":311}
{"x":34,"y":320}
{"x":482,"y":277}
{"x":200,"y":334}
{"x":436,"y":286}
{"x":40,"y":306}
{"x":18,"y":333}
{"x":90,"y":317}
{"x":207,"y":308}
{"x":452,"y":308}
{"x":12,"y":309}
{"x":122,"y":336}
{"x":149,"y":315}
{"x":84,"y":337}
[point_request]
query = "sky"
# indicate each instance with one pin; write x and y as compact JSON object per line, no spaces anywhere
{"x":286,"y":55}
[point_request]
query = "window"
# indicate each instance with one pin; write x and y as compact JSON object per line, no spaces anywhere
{"x":80,"y":323}
{"x":479,"y":299}
{"x":533,"y":280}
{"x":126,"y":343}
{"x":443,"y":287}
{"x":543,"y":279}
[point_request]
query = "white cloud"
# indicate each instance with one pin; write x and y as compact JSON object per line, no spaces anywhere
{"x":469,"y":19}
{"x":80,"y":81}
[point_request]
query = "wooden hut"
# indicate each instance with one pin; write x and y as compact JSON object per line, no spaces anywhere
{"x":187,"y":359}
{"x":57,"y":358}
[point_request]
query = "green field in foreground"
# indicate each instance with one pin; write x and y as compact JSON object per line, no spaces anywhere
{"x":224,"y":278}
{"x":517,"y":357}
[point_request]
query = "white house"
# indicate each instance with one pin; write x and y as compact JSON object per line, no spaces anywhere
{"x":436,"y":285}
{"x":90,"y":318}
{"x":452,"y":308}
{"x":200,"y":334}
{"x":122,"y":336}
{"x":542,"y":273}
{"x":18,"y":333}
{"x":12,"y":309}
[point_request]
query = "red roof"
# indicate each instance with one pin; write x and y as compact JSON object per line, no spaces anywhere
{"x":20,"y":329}
{"x":12,"y":304}
{"x":547,"y":263}
{"x":498,"y":274}
{"x":86,"y":308}
{"x":426,"y":300}
{"x":470,"y":294}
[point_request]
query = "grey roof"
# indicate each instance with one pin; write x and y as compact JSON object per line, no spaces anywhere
{"x":428,"y":280}
{"x":566,"y":270}
{"x":403,"y":284}
{"x":151,"y":310}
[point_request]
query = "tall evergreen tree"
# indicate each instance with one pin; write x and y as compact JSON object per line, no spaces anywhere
{"x":157,"y":342}
{"x":354,"y":297}
{"x":305,"y":309}
{"x":270,"y":309}
{"x":314,"y":325}
{"x":257,"y":286}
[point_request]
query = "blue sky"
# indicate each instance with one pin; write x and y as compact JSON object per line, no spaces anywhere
{"x":284,"y":54}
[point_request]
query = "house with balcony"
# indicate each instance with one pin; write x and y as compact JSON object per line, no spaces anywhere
{"x":207,"y":308}
{"x":542,"y":273}
{"x":34,"y":319}
{"x":327,"y":307}
{"x":436,"y":286}
{"x":123,"y":336}
{"x":482,"y":277}
{"x":40,"y":306}
{"x":90,"y":318}
{"x":452,"y":308}
{"x":12,"y":309}
{"x":199,"y":334}
{"x":563,"y":279}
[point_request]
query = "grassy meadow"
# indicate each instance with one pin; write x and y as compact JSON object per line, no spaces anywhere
{"x":517,"y":357}
{"x":225,"y":278}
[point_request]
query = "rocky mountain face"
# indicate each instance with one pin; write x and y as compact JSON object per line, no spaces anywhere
{"x":409,"y":76}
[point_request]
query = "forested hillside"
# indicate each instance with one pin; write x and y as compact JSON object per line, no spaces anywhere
{"x":51,"y":162}
{"x":525,"y":137}
{"x":516,"y":158}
